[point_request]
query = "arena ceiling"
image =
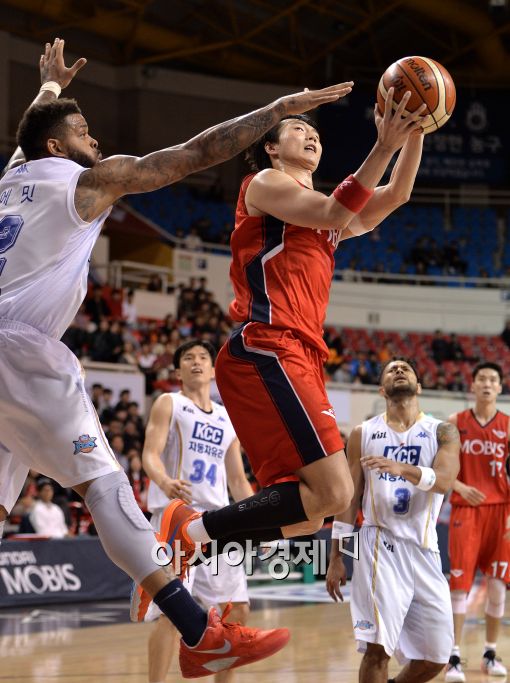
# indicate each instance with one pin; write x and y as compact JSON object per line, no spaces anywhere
{"x":308,"y":42}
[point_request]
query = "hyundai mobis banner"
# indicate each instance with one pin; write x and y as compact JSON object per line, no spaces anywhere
{"x":57,"y":571}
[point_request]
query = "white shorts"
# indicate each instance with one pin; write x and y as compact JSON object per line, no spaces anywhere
{"x":13,"y":474}
{"x":400,"y":599}
{"x":47,"y":420}
{"x":213,"y":584}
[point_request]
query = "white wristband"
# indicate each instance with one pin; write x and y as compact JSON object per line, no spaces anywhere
{"x":427,"y":479}
{"x":340,"y":529}
{"x":52,"y":86}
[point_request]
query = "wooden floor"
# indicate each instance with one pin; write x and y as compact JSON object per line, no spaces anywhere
{"x":321,"y":650}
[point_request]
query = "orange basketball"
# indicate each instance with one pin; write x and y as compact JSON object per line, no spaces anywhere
{"x":428,"y":82}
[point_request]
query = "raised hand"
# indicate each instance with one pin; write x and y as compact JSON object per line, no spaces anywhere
{"x":53,"y":68}
{"x":310,"y":99}
{"x":394,"y":129}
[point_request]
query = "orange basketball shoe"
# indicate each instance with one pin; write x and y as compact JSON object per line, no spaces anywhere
{"x":174,"y":522}
{"x":227,"y":646}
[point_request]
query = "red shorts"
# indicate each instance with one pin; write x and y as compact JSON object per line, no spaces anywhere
{"x":272,"y":385}
{"x":476,"y":542}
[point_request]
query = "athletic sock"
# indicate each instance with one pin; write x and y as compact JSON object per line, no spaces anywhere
{"x":455,"y":651}
{"x":184,"y":613}
{"x":272,"y":507}
{"x":489,"y":647}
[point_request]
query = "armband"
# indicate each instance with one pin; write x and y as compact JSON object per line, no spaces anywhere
{"x":52,"y":86}
{"x":427,"y":479}
{"x":340,"y":529}
{"x":352,"y":194}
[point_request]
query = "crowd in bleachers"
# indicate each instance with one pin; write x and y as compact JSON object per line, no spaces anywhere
{"x":414,"y":240}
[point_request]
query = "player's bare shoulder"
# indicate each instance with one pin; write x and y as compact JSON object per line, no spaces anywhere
{"x":447,"y":433}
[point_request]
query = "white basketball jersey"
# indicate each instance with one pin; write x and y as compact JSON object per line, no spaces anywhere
{"x":45,"y":247}
{"x":392,"y":502}
{"x":195,"y":450}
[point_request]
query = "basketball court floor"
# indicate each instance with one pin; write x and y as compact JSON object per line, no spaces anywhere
{"x":94,"y":642}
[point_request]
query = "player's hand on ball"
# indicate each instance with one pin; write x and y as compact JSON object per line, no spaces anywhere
{"x":471,"y":494}
{"x":310,"y":99}
{"x":176,"y":488}
{"x":381,"y":464}
{"x":53,"y":68}
{"x":336,"y":577}
{"x":393,"y":129}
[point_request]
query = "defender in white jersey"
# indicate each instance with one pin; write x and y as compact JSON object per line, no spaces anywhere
{"x":192,"y":452}
{"x":54,"y":198}
{"x":402,"y":463}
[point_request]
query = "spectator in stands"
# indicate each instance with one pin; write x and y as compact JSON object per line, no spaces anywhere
{"x":128,"y":355}
{"x":96,"y":396}
{"x":129,"y":311}
{"x":138,"y":480}
{"x":427,"y":381}
{"x":455,"y":350}
{"x":106,"y":345}
{"x":134,"y":416}
{"x":457,"y":382}
{"x":193,"y":241}
{"x":505,"y":335}
{"x":453,"y":263}
{"x":441,"y":383}
{"x":186,"y":304}
{"x":146,"y":360}
{"x":386,"y":352}
{"x":132,"y":437}
{"x":47,"y":518}
{"x":343,"y":374}
{"x":116,"y":304}
{"x":107,"y":410}
{"x":96,"y":307}
{"x":439,"y":347}
{"x":75,"y":338}
{"x":362,"y":371}
{"x":117,"y":446}
{"x":155,"y":283}
{"x":124,"y":400}
{"x":114,"y":428}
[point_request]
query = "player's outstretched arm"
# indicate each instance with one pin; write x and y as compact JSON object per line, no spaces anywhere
{"x":275,"y":193}
{"x":117,"y":176}
{"x":52,"y":68}
{"x":387,"y":198}
{"x":237,"y":482}
{"x":336,"y":575}
{"x":156,"y":435}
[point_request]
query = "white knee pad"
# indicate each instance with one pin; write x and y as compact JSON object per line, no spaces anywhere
{"x":459,"y":602}
{"x":495,"y":602}
{"x":127,"y":537}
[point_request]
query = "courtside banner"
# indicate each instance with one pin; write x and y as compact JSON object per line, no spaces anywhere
{"x":58,"y":571}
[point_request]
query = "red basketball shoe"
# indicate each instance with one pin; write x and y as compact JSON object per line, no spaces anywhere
{"x":226,"y":646}
{"x":174,"y":523}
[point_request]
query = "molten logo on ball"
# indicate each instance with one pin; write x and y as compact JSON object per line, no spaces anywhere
{"x":427,"y":81}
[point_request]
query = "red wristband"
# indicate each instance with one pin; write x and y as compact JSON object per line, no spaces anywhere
{"x":352,"y":194}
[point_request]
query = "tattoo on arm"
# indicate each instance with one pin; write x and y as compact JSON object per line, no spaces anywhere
{"x":447,"y":433}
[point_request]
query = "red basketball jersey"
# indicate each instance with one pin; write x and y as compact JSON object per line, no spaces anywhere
{"x":281,"y":273}
{"x":483,"y":456}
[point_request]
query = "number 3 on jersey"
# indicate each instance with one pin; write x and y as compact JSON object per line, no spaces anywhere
{"x":199,"y":474}
{"x":403,"y":497}
{"x":9,"y":231}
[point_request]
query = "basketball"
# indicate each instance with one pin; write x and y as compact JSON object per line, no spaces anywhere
{"x":428,"y":81}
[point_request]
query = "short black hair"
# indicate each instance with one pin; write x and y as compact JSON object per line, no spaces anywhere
{"x":489,"y":366}
{"x":44,"y":482}
{"x":41,"y":122}
{"x":180,"y":350}
{"x":405,"y":359}
{"x":256,"y":155}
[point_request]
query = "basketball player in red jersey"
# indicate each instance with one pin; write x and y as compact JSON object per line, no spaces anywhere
{"x":270,"y":373}
{"x":480,"y":518}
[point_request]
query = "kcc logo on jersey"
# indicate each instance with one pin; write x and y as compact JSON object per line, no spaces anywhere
{"x":205,"y":432}
{"x":406,"y":454}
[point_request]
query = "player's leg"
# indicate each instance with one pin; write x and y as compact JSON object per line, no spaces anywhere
{"x":427,"y":635}
{"x":43,"y":401}
{"x":381,"y":592}
{"x":286,"y":424}
{"x":464,"y":540}
{"x":13,"y":474}
{"x":495,"y":564}
{"x":161,"y":647}
{"x":374,"y":665}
